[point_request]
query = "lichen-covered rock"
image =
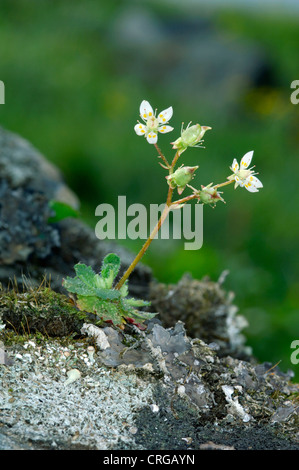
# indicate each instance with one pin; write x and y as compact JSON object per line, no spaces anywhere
{"x":221,"y":391}
{"x":24,"y":228}
{"x":207,"y":311}
{"x":174,"y":392}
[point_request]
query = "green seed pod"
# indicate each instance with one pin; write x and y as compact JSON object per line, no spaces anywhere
{"x":209,"y":195}
{"x":190,"y":137}
{"x":181,"y":177}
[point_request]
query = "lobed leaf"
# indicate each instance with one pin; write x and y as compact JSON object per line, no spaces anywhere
{"x":86,"y":283}
{"x":137,"y":302}
{"x":110,"y":267}
{"x":104,"y":309}
{"x":94,"y":294}
{"x":142,"y":316}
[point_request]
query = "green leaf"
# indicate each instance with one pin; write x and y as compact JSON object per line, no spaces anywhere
{"x":110,"y":268}
{"x":94,"y":294}
{"x":141,"y":316}
{"x":132,"y":312}
{"x":104,"y":309}
{"x":108,"y":294}
{"x":137,"y":302}
{"x":86,"y":283}
{"x":87,"y":275}
{"x":124,"y":290}
{"x":83,"y":283}
{"x":62,"y":211}
{"x":77,"y":286}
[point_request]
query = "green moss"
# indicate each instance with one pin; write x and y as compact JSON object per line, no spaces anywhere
{"x":39,"y":311}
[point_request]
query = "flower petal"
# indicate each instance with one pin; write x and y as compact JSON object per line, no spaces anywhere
{"x":140,"y":129}
{"x":256,"y":182}
{"x":252,"y":184}
{"x":152,"y":138}
{"x":146,"y":110}
{"x":165,"y":129}
{"x":165,"y":115}
{"x":245,"y":162}
{"x":235,"y":166}
{"x":251,"y":188}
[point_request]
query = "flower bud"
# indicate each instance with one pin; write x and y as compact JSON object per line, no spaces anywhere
{"x":190,"y":137}
{"x":209,"y":195}
{"x":181,"y":177}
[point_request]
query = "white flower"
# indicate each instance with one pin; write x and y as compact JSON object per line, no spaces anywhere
{"x":244,"y":176}
{"x":153,"y":124}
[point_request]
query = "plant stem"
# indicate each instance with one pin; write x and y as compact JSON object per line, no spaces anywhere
{"x":148,"y":241}
{"x":175,"y":159}
{"x":169,"y":196}
{"x":162,"y":156}
{"x":184,"y":199}
{"x":158,"y":225}
{"x":224,"y":184}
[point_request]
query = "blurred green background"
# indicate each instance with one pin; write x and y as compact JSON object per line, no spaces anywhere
{"x":75,"y":73}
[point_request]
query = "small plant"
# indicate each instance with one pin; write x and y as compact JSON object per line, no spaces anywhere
{"x":96,"y":292}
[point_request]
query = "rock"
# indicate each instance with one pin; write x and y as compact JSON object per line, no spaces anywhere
{"x":24,"y":228}
{"x":212,"y":446}
{"x":164,"y":397}
{"x":97,"y":333}
{"x":4,"y":358}
{"x":207,"y":311}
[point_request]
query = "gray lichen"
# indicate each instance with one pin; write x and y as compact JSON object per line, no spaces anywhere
{"x":24,"y":228}
{"x":167,"y":389}
{"x":94,"y":412}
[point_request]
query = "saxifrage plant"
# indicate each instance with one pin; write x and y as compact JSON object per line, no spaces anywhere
{"x":98,"y":293}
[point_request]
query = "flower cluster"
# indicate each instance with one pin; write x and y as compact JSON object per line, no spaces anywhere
{"x":192,"y":137}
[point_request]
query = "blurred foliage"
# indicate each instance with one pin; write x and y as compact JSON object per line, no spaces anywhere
{"x":68,"y":91}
